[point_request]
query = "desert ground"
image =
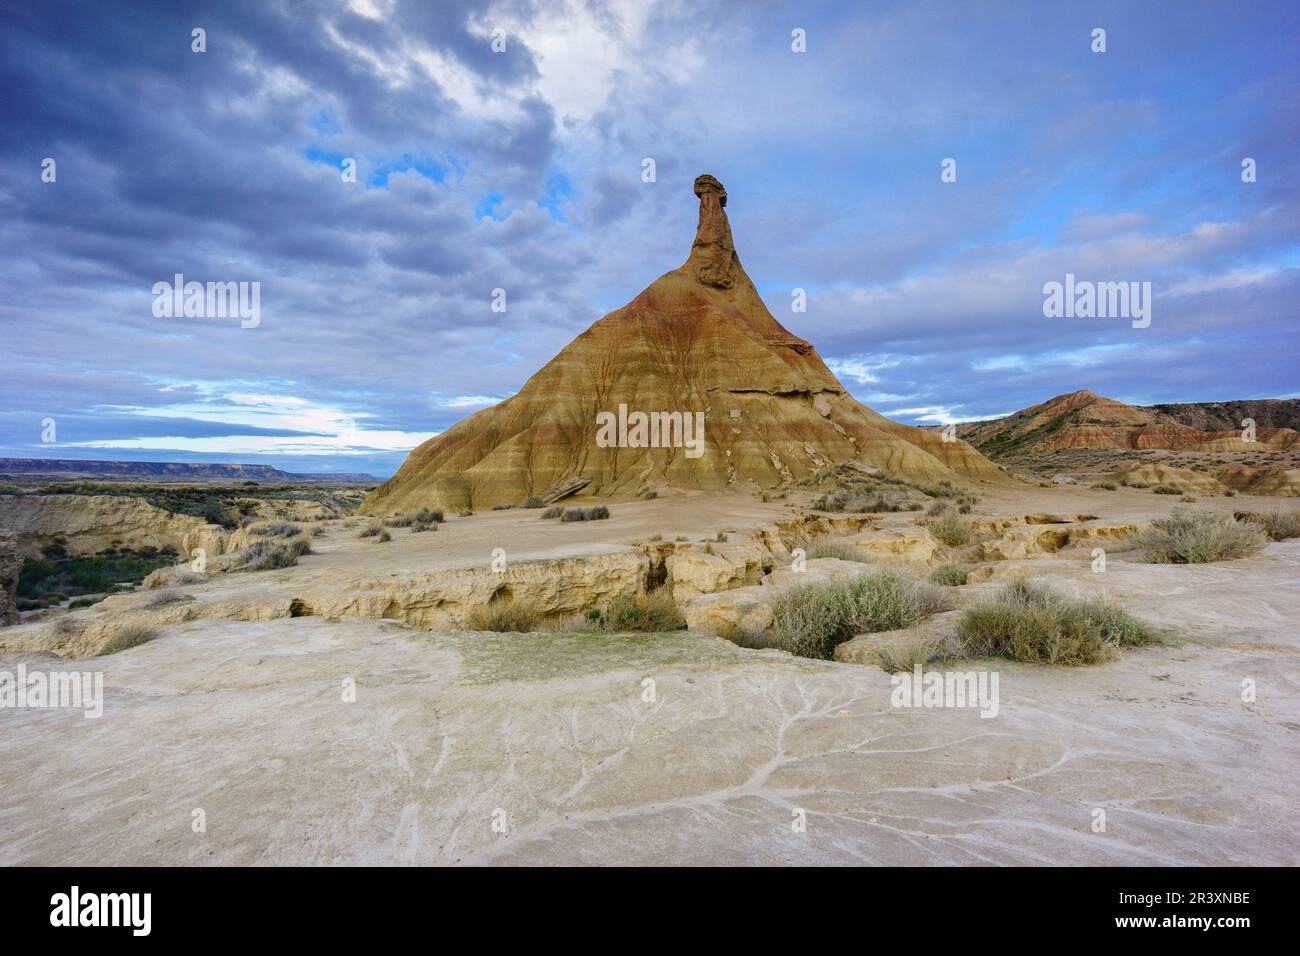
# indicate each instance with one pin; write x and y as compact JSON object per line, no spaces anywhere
{"x":472,"y":747}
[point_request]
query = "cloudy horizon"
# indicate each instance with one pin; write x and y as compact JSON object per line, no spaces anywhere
{"x":520,"y":168}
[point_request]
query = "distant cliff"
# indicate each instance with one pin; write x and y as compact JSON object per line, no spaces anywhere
{"x":63,"y":470}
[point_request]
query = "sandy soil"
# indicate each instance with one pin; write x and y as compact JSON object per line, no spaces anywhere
{"x":451,"y":733}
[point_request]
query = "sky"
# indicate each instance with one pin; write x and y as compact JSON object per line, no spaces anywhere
{"x":502,"y":146}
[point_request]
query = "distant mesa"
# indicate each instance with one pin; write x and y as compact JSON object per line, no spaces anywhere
{"x":1084,"y":419}
{"x":699,"y":340}
{"x":62,"y":469}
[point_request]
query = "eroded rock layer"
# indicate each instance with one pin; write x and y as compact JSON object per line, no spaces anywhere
{"x":698,"y":340}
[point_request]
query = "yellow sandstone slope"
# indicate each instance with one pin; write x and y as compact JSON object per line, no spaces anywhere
{"x":698,"y":340}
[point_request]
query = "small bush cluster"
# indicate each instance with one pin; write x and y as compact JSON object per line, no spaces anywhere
{"x":370,"y":530}
{"x":534,"y":502}
{"x":1197,"y":537}
{"x":126,"y":636}
{"x":275,"y":529}
{"x":811,"y":620}
{"x":554,"y":511}
{"x":1276,"y":524}
{"x":950,"y":529}
{"x":1165,"y":490}
{"x":1031,"y":623}
{"x":949,"y":575}
{"x":506,"y":616}
{"x":271,"y":554}
{"x":597,"y":513}
{"x":653,"y":613}
{"x":839,"y":548}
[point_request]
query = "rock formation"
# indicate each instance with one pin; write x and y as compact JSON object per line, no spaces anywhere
{"x":1084,"y":419}
{"x":11,"y":563}
{"x":698,"y":343}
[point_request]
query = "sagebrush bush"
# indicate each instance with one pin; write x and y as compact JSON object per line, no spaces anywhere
{"x":1196,"y":537}
{"x":269,"y":555}
{"x":949,"y":575}
{"x":429,"y":516}
{"x":1277,"y":525}
{"x":950,"y":529}
{"x":532,"y":501}
{"x":811,"y":620}
{"x":653,"y":613}
{"x":126,"y":636}
{"x":554,"y":511}
{"x":507,"y":616}
{"x":1165,"y":490}
{"x":165,"y":596}
{"x":840,"y":548}
{"x":400,"y":521}
{"x":597,"y":513}
{"x":1029,"y":622}
{"x":275,"y":529}
{"x":861,"y":502}
{"x":371,"y":530}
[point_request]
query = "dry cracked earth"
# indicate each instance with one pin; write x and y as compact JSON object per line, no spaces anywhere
{"x":474,"y":748}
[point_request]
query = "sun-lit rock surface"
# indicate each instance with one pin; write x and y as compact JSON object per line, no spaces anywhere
{"x":699,"y":339}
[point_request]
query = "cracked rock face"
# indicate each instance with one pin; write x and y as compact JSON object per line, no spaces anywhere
{"x":698,"y":340}
{"x":11,"y":564}
{"x":554,"y":735}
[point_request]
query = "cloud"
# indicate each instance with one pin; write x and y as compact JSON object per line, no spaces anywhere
{"x":377,"y":324}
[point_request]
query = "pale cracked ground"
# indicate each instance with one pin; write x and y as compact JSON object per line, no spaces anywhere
{"x":246,"y":721}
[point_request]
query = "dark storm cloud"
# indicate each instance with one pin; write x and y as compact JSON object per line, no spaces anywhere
{"x":521,"y":170}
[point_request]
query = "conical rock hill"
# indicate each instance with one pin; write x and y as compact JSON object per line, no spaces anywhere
{"x":699,"y":341}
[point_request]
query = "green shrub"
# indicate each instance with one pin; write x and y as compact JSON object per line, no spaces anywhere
{"x":653,"y":613}
{"x":275,"y":529}
{"x":721,"y":536}
{"x":1031,"y":623}
{"x":269,"y":555}
{"x":950,"y":529}
{"x":506,"y":616}
{"x":1165,"y":490}
{"x":429,"y":516}
{"x":400,"y":521}
{"x":532,"y":501}
{"x":839,"y":548}
{"x":811,"y":620}
{"x":599,"y":513}
{"x":1196,"y":537}
{"x":1278,"y":525}
{"x":949,"y":575}
{"x":554,"y":511}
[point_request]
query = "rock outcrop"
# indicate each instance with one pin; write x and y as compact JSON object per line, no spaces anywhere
{"x":1084,"y":419}
{"x":11,"y":564}
{"x":88,"y":524}
{"x":699,"y":344}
